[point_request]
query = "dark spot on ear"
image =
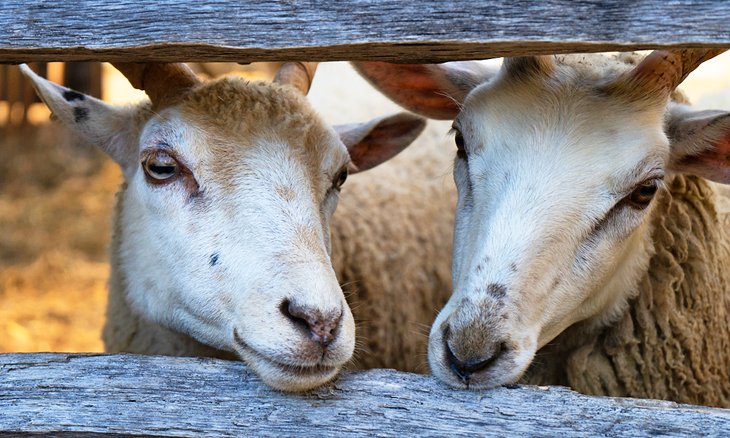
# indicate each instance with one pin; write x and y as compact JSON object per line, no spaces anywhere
{"x":213,"y":259}
{"x":513,"y":267}
{"x":497,"y":290}
{"x":80,"y":114}
{"x":71,"y":95}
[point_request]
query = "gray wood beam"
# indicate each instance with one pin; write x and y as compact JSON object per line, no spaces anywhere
{"x":72,"y":394}
{"x":324,"y":30}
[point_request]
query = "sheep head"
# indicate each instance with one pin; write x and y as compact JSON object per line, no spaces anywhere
{"x":223,"y":224}
{"x":558,"y":161}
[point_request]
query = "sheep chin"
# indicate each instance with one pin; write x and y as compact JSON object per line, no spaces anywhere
{"x":285,"y":377}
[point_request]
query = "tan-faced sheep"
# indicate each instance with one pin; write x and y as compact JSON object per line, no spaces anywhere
{"x":391,"y":241}
{"x":565,"y":261}
{"x":390,"y":237}
{"x":221,"y":242}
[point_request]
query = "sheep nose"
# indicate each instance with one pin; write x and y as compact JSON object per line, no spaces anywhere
{"x":321,"y":326}
{"x":465,"y":368}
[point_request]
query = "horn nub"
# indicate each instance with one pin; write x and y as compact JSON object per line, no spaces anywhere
{"x":297,"y":74}
{"x":164,"y":83}
{"x":666,"y":69}
{"x":530,"y":66}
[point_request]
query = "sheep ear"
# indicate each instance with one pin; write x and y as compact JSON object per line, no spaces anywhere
{"x":432,"y":90}
{"x":105,"y":126}
{"x":700,"y":142}
{"x":379,"y":140}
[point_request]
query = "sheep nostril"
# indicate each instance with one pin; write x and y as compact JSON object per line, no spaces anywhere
{"x":320,"y":326}
{"x":287,"y":308}
{"x":465,"y":369}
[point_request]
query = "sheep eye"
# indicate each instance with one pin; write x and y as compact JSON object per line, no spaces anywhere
{"x":643,"y":194}
{"x":160,"y":167}
{"x":459,"y":140}
{"x":340,"y":179}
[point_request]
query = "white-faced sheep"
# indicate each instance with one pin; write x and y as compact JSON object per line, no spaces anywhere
{"x":586,"y":230}
{"x":221,"y":243}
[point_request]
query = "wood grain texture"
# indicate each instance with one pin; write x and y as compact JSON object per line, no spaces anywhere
{"x":126,"y":394}
{"x":324,"y":30}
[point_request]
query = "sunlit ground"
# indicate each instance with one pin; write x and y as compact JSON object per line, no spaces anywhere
{"x":56,"y":199}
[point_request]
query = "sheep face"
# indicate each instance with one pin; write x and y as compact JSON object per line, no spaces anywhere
{"x":239,"y":237}
{"x":550,"y":223}
{"x":556,"y":169}
{"x":223,"y":226}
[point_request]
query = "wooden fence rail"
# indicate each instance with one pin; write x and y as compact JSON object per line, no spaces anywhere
{"x":324,"y":30}
{"x":72,"y":394}
{"x":106,"y":395}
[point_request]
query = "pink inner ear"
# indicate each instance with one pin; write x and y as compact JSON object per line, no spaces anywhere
{"x":723,"y":147}
{"x":713,"y":164}
{"x":380,"y":146}
{"x":413,"y":86}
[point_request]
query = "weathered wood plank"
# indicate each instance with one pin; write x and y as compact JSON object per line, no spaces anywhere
{"x":324,"y":30}
{"x":126,"y":394}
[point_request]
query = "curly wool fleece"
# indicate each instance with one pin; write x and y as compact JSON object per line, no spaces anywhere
{"x":673,"y":342}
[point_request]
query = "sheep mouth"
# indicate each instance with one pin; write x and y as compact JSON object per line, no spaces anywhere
{"x":317,"y":371}
{"x":507,"y":368}
{"x":501,"y":375}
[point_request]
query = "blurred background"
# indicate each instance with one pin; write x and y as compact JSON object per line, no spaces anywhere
{"x":57,"y":195}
